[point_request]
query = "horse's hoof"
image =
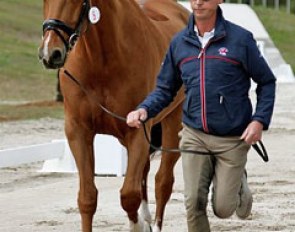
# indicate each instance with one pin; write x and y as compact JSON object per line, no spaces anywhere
{"x":140,"y":226}
{"x":156,"y":229}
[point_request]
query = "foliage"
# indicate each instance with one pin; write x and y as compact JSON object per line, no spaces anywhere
{"x":281,"y":28}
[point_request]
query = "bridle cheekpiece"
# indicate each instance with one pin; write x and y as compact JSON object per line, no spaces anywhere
{"x":73,"y":34}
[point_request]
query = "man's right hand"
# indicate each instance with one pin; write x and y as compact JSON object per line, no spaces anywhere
{"x":134,"y":118}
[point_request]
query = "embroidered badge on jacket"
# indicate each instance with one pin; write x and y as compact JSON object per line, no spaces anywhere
{"x":223,"y":51}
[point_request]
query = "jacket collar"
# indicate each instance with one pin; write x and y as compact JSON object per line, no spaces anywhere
{"x":219,"y":26}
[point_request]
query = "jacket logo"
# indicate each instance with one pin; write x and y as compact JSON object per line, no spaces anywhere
{"x":223,"y":51}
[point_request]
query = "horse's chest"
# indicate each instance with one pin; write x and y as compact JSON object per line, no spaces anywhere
{"x":109,"y":120}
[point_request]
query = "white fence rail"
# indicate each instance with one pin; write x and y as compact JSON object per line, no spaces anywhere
{"x":110,"y":156}
{"x":30,"y":154}
{"x":276,"y":4}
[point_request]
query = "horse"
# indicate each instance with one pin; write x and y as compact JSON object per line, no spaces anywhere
{"x":113,"y":50}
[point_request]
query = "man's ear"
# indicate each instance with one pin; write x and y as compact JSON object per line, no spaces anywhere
{"x":220,"y":1}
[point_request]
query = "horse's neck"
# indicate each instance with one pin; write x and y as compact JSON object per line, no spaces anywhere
{"x":121,"y":22}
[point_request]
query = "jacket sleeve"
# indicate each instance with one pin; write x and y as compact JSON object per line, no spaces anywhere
{"x":168,"y":83}
{"x":261,"y":74}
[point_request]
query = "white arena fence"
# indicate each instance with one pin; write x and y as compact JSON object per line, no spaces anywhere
{"x":110,"y":156}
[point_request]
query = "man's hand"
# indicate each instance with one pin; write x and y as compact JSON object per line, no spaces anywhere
{"x":253,"y":132}
{"x":135,"y":117}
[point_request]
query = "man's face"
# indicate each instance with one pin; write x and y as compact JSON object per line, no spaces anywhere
{"x":204,"y":9}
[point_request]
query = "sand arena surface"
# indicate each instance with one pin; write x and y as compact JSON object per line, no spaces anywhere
{"x":32,"y":201}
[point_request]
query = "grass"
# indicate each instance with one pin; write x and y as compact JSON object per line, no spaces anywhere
{"x":281,"y":28}
{"x":34,"y":110}
{"x":23,"y":79}
{"x":22,"y":76}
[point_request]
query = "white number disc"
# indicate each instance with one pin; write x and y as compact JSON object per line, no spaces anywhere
{"x":94,"y":15}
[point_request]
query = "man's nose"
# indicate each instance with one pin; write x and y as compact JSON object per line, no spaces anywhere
{"x":198,"y":2}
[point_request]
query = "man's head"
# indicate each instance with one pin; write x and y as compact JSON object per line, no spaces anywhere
{"x":205,"y":10}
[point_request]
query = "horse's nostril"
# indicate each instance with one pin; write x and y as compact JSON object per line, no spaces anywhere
{"x":56,"y":55}
{"x":55,"y":60}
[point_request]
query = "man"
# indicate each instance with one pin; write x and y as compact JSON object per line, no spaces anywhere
{"x":215,"y":60}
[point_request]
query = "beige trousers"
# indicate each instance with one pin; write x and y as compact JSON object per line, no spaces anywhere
{"x":224,"y":170}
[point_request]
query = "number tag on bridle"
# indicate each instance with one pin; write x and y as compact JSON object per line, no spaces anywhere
{"x":94,"y":15}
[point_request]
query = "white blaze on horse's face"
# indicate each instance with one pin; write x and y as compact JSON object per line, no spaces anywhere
{"x":52,"y":55}
{"x":52,"y":51}
{"x":45,"y":49}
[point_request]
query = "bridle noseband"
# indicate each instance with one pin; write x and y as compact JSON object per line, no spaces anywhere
{"x":73,"y":33}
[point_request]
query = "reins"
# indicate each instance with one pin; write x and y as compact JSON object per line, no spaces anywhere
{"x":261,"y":152}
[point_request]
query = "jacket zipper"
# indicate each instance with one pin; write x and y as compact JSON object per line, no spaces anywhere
{"x":201,"y":56}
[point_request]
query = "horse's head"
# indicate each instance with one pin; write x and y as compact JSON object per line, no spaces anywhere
{"x":63,"y":22}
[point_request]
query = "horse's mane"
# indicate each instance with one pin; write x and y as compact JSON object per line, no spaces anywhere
{"x":141,"y":3}
{"x":158,"y":13}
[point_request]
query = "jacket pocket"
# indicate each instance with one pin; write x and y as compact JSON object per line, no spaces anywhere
{"x":225,"y":104}
{"x":237,"y":108}
{"x":191,"y":106}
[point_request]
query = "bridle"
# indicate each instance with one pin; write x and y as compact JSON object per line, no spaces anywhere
{"x":59,"y":26}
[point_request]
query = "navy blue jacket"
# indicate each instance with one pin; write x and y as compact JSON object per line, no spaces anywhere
{"x":217,"y":80}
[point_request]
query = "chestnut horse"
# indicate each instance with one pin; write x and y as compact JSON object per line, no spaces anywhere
{"x":114,"y":50}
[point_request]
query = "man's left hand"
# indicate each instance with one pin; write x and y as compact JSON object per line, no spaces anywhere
{"x":253,"y":132}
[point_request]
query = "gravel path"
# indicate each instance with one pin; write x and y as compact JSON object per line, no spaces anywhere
{"x":33,"y":201}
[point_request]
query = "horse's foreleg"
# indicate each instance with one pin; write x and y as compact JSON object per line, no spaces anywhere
{"x":81,"y":144}
{"x":131,"y":191}
{"x":164,"y":178}
{"x":164,"y":182}
{"x":144,"y":208}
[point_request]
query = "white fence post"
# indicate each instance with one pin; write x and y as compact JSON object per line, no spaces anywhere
{"x":110,"y":158}
{"x":288,"y":6}
{"x":64,"y":163}
{"x":277,"y":4}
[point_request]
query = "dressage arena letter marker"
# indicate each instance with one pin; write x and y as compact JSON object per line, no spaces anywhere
{"x":94,"y":15}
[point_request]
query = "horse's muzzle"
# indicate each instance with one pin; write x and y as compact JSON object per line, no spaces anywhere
{"x":53,"y":59}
